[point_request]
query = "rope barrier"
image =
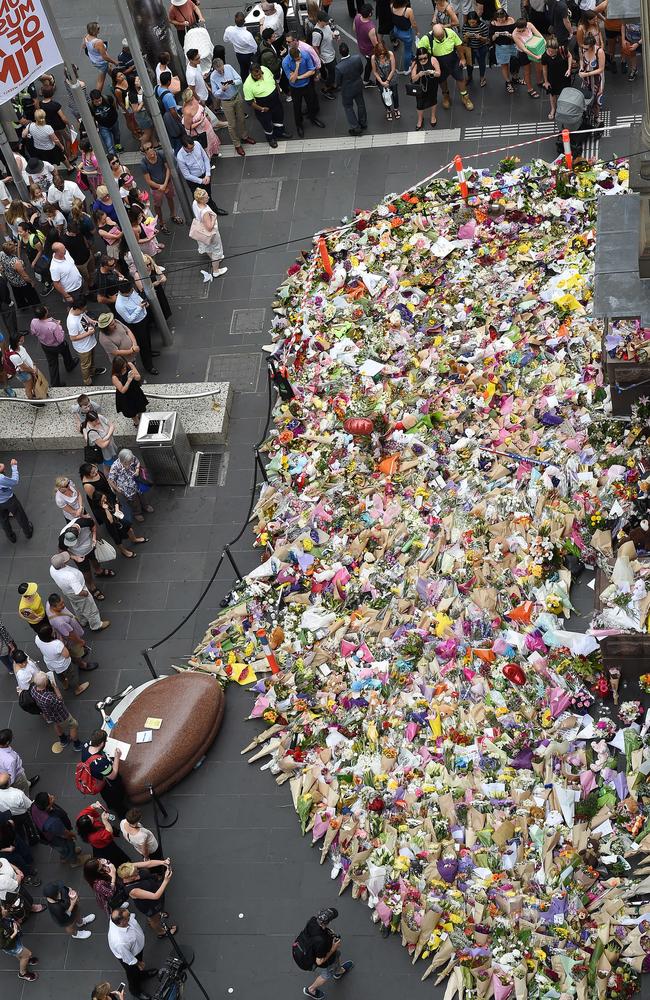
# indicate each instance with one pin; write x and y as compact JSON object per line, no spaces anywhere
{"x":101,"y":392}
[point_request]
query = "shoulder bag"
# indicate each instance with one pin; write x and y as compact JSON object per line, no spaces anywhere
{"x":104,"y":551}
{"x":92,"y":452}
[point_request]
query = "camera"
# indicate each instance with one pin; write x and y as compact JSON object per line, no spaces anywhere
{"x":327,"y":915}
{"x":172,"y":978}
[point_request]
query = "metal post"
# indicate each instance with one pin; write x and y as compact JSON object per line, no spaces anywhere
{"x":147,"y":660}
{"x":12,"y":166}
{"x":169,"y":815}
{"x":7,"y":118}
{"x":232,"y":562}
{"x":109,"y":180}
{"x":260,"y":465}
{"x":644,"y":167}
{"x":151,"y":100}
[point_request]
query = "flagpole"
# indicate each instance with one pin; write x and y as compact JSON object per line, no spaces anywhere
{"x":85,"y":113}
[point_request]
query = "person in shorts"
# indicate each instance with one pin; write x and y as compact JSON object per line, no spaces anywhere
{"x":54,"y":711}
{"x":11,"y":944}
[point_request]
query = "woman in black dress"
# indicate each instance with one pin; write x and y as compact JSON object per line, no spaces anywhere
{"x":384,"y":15}
{"x":129,"y":397}
{"x":425,"y":73}
{"x":106,"y":509}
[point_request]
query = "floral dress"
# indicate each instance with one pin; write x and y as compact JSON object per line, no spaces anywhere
{"x":596,"y":83}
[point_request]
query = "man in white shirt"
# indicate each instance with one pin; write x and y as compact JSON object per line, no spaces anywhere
{"x":66,"y":276}
{"x":81,"y":330}
{"x":24,"y":669}
{"x":15,"y":801}
{"x":70,"y":581}
{"x":242,"y":42}
{"x":126,"y":941}
{"x":272,"y":17}
{"x":56,"y":657}
{"x":194,"y":76}
{"x":63,"y":193}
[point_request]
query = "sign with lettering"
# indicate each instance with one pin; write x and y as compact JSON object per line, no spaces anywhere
{"x":27,"y":46}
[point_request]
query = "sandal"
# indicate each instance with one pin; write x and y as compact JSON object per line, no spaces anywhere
{"x":418,"y":128}
{"x":147,"y":508}
{"x":534,"y":95}
{"x":139,"y":541}
{"x":176,"y":219}
{"x":433,"y":124}
{"x":129,"y":555}
{"x":138,"y":517}
{"x":104,"y":572}
{"x":510,"y":88}
{"x":97,"y":594}
{"x":163,"y":229}
{"x":396,"y":115}
{"x":484,"y":82}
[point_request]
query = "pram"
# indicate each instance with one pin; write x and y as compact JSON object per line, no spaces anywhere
{"x":575,"y":111}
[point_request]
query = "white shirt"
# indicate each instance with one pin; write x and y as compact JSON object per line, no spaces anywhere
{"x":327,"y":52}
{"x":69,"y":579}
{"x":14,"y":800}
{"x":126,"y":942}
{"x":65,"y":198}
{"x":76,"y":325}
{"x":66,"y":271}
{"x":8,"y":880}
{"x":142,"y":839}
{"x":4,"y":196}
{"x":274,"y":19}
{"x":43,"y":179}
{"x":19,"y":357}
{"x":25,"y":674}
{"x":194,"y":78}
{"x":240,"y":38}
{"x":51,"y":652}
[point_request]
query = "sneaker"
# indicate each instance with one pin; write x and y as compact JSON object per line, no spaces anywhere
{"x":32,"y":880}
{"x":467,"y":102}
{"x":446,"y":103}
{"x":289,"y":99}
{"x":64,"y":740}
{"x":10,"y":392}
{"x":633,"y":75}
{"x":99,"y":371}
{"x":346,"y":967}
{"x":217,"y":274}
{"x":78,"y":746}
{"x":118,"y":147}
{"x":29,"y":977}
{"x":81,"y":935}
{"x":88,"y":920}
{"x":314,"y":994}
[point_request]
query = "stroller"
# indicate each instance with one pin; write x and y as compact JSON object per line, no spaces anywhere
{"x":575,"y":110}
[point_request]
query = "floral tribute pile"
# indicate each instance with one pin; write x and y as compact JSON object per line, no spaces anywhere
{"x":446,"y":464}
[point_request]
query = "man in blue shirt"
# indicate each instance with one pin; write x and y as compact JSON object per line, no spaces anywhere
{"x":299,"y":69}
{"x":9,"y":504}
{"x":171,"y":117}
{"x":194,"y":164}
{"x":224,"y":84}
{"x":132,"y":310}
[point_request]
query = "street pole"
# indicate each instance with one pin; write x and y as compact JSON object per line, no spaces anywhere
{"x":645,"y":125}
{"x":126,"y":19}
{"x":98,"y":147}
{"x":12,"y":166}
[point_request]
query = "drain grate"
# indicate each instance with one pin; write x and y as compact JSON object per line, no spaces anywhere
{"x":207,"y":469}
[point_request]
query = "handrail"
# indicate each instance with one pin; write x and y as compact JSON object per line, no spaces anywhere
{"x":103,"y":392}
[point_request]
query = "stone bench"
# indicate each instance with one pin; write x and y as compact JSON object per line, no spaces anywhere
{"x":52,"y":427}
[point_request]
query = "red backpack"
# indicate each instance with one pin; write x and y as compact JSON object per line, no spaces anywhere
{"x":86,"y":782}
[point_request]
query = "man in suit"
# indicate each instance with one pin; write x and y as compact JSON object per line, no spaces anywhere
{"x":349,"y":77}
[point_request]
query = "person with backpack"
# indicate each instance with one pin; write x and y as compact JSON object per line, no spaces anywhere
{"x":317,"y":948}
{"x":55,"y":829}
{"x":101,"y":774}
{"x":49,"y":702}
{"x":10,"y":504}
{"x":169,"y":110}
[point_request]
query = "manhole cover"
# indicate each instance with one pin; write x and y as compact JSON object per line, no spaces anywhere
{"x":207,"y":469}
{"x":247,"y":321}
{"x":258,"y":196}
{"x":241,"y":370}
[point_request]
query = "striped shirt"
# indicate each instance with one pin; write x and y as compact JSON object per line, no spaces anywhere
{"x":482,"y":29}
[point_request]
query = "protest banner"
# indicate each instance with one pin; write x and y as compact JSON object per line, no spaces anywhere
{"x":27,"y":45}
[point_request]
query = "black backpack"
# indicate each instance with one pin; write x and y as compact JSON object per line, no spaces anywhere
{"x":27,"y":703}
{"x":303,"y":952}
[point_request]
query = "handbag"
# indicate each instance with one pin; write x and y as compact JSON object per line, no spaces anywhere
{"x":104,"y":551}
{"x":41,"y":385}
{"x":27,"y":703}
{"x":92,"y":452}
{"x":412,"y":89}
{"x":199,"y":233}
{"x":387,"y":97}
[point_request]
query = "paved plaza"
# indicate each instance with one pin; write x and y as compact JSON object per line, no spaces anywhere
{"x":245,"y":881}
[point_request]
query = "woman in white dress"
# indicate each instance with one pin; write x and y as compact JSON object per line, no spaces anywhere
{"x":204,"y":215}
